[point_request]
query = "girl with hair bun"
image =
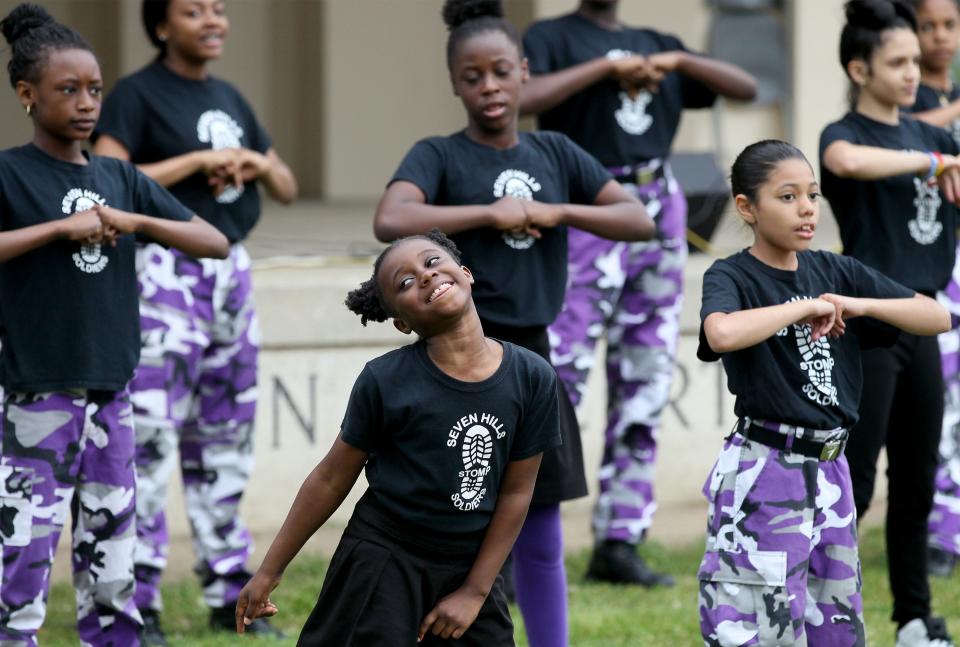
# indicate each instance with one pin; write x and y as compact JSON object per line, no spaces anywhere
{"x":71,"y":337}
{"x":893,"y":183}
{"x":195,"y":391}
{"x":507,"y":197}
{"x":451,"y":430}
{"x":781,"y":564}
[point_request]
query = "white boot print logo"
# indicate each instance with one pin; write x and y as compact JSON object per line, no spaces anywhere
{"x":632,"y":114}
{"x":90,"y":258}
{"x":925,"y":228}
{"x":519,"y":185}
{"x":476,"y":452}
{"x":220,"y":130}
{"x":817,"y":361}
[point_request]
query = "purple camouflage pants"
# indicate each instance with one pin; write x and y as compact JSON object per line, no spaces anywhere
{"x":633,"y":292}
{"x":195,"y":390}
{"x":944,"y":521}
{"x":61,"y":450}
{"x":781,"y":565}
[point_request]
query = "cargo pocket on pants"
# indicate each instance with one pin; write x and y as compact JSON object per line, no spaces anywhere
{"x":743,"y":597}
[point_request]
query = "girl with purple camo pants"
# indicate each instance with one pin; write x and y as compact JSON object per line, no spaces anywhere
{"x":70,"y":337}
{"x":781,"y":565}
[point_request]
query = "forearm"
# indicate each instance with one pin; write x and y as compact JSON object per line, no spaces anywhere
{"x":411,"y":218}
{"x":723,"y":78}
{"x":873,"y":163}
{"x":940,"y":117}
{"x":545,"y":91}
{"x":920,"y":315}
{"x":505,"y":525}
{"x":318,"y":498}
{"x":195,"y":237}
{"x":279,"y":180}
{"x":617,"y":221}
{"x":17,"y":242}
{"x":728,"y":332}
{"x":170,"y":171}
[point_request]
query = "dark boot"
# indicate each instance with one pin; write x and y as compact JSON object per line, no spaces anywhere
{"x":619,"y":562}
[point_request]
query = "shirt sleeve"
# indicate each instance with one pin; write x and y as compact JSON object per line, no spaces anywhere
{"x":362,"y":425}
{"x":720,"y":294}
{"x":836,"y":132}
{"x":539,"y":428}
{"x":537,"y":49}
{"x":695,"y":93}
{"x":151,"y":199}
{"x":123,"y":117}
{"x":423,"y":166}
{"x":257,"y":136}
{"x":867,"y":283}
{"x":585,"y":175}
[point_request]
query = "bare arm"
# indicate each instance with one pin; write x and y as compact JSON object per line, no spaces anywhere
{"x":614,"y":214}
{"x":320,"y":495}
{"x":845,"y":159}
{"x":195,"y":237}
{"x":545,"y":91}
{"x":940,"y":117}
{"x":403,"y":211}
{"x":919,"y":315}
{"x":278,"y":179}
{"x":84,"y":225}
{"x":165,"y":173}
{"x":728,"y":332}
{"x":723,"y":78}
{"x":454,"y":614}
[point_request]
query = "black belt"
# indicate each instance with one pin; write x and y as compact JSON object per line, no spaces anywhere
{"x":829,"y":450}
{"x":638,"y":174}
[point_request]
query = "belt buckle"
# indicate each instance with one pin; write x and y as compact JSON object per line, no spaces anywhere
{"x":645,"y":175}
{"x":831,"y":450}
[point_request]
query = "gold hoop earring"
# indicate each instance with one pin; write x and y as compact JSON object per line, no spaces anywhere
{"x":29,"y":109}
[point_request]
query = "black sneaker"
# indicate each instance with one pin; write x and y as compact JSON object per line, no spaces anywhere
{"x":152,"y":633}
{"x":618,"y":562}
{"x":225,"y":619}
{"x":939,"y":562}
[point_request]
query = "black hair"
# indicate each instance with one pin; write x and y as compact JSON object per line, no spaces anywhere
{"x":866,"y":22}
{"x":756,"y":162}
{"x":32,"y":34}
{"x":367,"y":300}
{"x":154,"y":13}
{"x":467,"y":18}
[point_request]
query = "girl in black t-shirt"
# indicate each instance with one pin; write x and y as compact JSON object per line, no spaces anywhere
{"x":507,"y":199}
{"x":938,"y":104}
{"x":451,"y":430}
{"x":892,"y":182}
{"x":781,"y":564}
{"x":70,"y":335}
{"x":196,"y":388}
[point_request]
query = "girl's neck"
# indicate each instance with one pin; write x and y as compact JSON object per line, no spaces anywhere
{"x":869,"y":106}
{"x":604,"y":15}
{"x":181,"y":66}
{"x":502,"y":140}
{"x":69,"y":150}
{"x":463,"y":352}
{"x":936,"y":79}
{"x":775,"y":257}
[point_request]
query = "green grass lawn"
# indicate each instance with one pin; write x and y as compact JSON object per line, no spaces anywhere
{"x":600,"y":615}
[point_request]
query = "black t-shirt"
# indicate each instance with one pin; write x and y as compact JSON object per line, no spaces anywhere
{"x":438,"y":446}
{"x":520,"y":281}
{"x":930,"y":99}
{"x":899,"y":225}
{"x":603,"y":118}
{"x":69,"y":314}
{"x":157,"y":114}
{"x":788,"y":378}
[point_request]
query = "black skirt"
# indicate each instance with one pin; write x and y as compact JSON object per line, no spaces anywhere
{"x":384,"y":578}
{"x":561,"y":476}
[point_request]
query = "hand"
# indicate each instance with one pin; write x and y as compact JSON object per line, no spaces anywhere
{"x":452,"y":615}
{"x":253,"y":165}
{"x":508,"y":213}
{"x":666,"y":62}
{"x":254,"y":601}
{"x":540,"y":215}
{"x":846,"y":307}
{"x":116,"y":223}
{"x":636,"y":73}
{"x":822,"y":318}
{"x":83,"y":226}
